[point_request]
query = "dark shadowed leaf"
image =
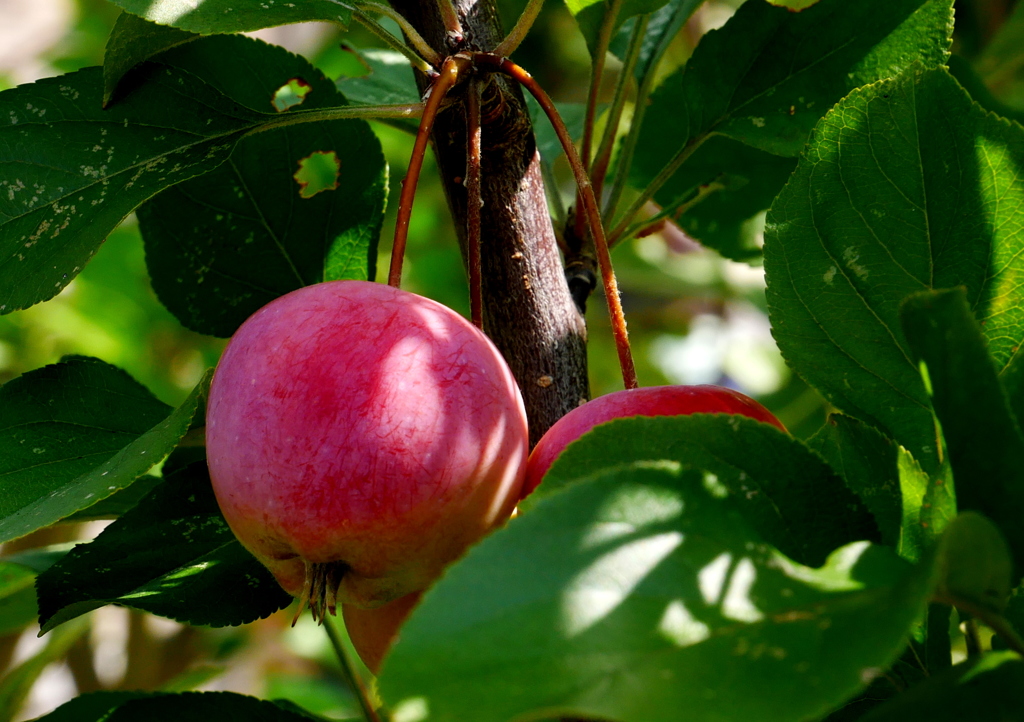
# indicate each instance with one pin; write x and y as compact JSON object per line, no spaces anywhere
{"x":786,"y":491}
{"x":70,"y":171}
{"x":235,"y":16}
{"x":869,"y":463}
{"x":73,"y":434}
{"x":590,"y":14}
{"x":134,"y":40}
{"x":841,"y":254}
{"x":172,"y":555}
{"x":628,"y":595}
{"x":223,"y":245}
{"x":982,"y":436}
{"x":157,"y":707}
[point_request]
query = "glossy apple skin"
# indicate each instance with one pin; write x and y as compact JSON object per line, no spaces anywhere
{"x":649,"y":401}
{"x":352,"y":422}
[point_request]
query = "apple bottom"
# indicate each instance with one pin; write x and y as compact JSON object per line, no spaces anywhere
{"x":374,"y":631}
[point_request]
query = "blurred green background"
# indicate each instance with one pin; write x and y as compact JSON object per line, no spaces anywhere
{"x":693,"y":318}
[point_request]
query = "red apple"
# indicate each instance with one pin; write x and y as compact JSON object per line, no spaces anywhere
{"x":360,"y":438}
{"x":650,"y":401}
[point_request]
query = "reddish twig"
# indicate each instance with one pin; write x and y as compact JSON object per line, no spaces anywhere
{"x":590,"y":207}
{"x":451,"y":71}
{"x":473,"y":205}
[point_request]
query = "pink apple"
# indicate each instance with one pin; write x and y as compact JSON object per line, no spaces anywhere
{"x":360,"y":438}
{"x":650,"y":401}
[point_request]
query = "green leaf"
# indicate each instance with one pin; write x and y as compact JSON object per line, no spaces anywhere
{"x":929,"y":504}
{"x":171,"y":555}
{"x":389,"y":82}
{"x":223,"y":245}
{"x":156,"y":707}
{"x":988,"y":689}
{"x":794,"y":5}
{"x":74,"y":433}
{"x":639,"y":595}
{"x":17,"y":597}
{"x":1001,"y":64}
{"x":132,"y":41}
{"x":982,"y":436}
{"x":869,"y":464}
{"x":234,"y":16}
{"x":785,"y":491}
{"x":590,"y":14}
{"x":769,"y":74}
{"x":728,"y":220}
{"x":906,"y":185}
{"x":662,"y":26}
{"x":71,"y":171}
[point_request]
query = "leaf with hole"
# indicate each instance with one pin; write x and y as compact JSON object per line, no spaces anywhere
{"x":292,"y":207}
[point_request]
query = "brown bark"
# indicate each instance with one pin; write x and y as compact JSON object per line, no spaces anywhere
{"x":528,"y":310}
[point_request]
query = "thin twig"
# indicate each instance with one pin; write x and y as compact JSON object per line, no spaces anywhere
{"x":604,"y":39}
{"x":655,"y":185}
{"x":348,"y":112}
{"x":604,"y":151}
{"x":629,"y":144}
{"x":590,"y":207}
{"x":449,"y":75}
{"x":673,"y":211}
{"x":348,"y":668}
{"x":421,"y":54}
{"x":508,"y":46}
{"x":994,"y":620}
{"x":474,"y":202}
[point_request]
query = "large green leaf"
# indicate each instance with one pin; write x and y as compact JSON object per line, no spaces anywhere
{"x":785,"y":491}
{"x":157,"y":707}
{"x":982,"y":436}
{"x":225,"y":244}
{"x":642,"y":595}
{"x":234,"y":16}
{"x":73,"y":434}
{"x":906,"y":185}
{"x":172,"y":555}
{"x":987,"y":689}
{"x":71,"y":170}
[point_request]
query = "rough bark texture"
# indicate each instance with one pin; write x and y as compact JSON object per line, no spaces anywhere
{"x":528,"y":310}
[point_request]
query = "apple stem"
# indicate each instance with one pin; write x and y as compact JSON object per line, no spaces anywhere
{"x":590,"y":207}
{"x":474,"y":205}
{"x":604,"y":39}
{"x":450,"y":73}
{"x":421,"y":54}
{"x":348,"y":668}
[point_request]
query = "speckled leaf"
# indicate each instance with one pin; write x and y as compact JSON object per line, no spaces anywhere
{"x":73,"y":434}
{"x":906,"y":185}
{"x":134,"y":40}
{"x":163,"y":707}
{"x":235,"y":16}
{"x":785,"y":491}
{"x":172,"y":555}
{"x":223,"y":245}
{"x":70,"y":171}
{"x":641,"y":595}
{"x":983,"y":438}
